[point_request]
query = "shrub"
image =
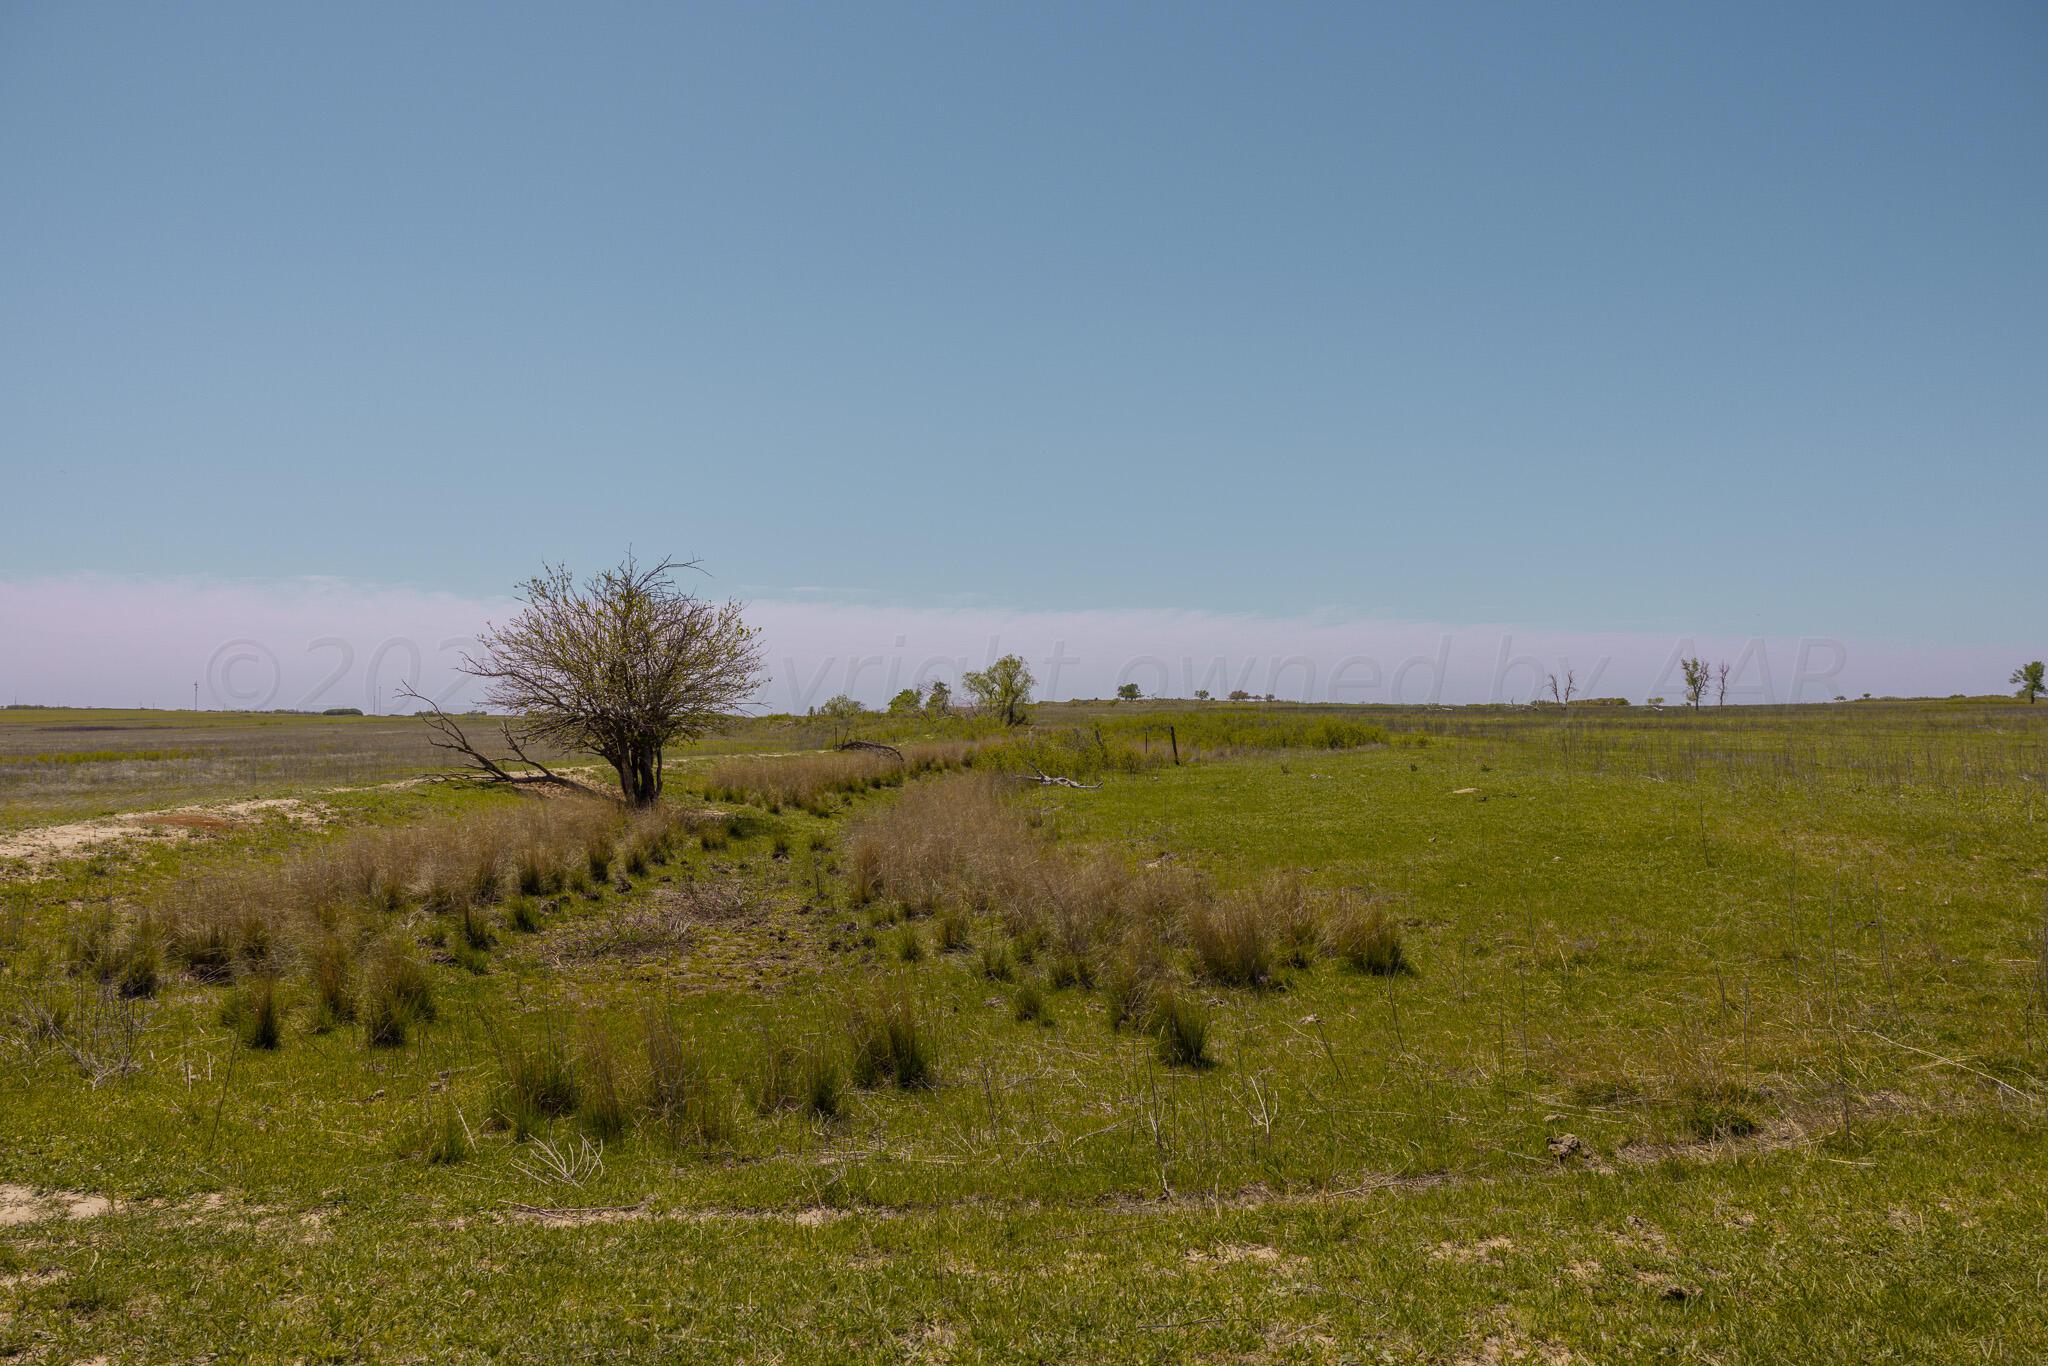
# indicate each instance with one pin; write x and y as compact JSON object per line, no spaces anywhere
{"x":1181,"y":1025}
{"x":909,"y":944}
{"x":1367,"y":938}
{"x":1028,"y":1004}
{"x":953,"y":930}
{"x":890,"y":1046}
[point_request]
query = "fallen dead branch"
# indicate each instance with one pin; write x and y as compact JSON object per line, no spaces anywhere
{"x":874,"y":747}
{"x":449,"y":735}
{"x":1048,"y":780}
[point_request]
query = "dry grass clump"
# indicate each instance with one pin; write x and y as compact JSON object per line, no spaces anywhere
{"x":395,"y":994}
{"x":331,"y":971}
{"x":1232,"y":942}
{"x":128,"y":958}
{"x":963,"y":847}
{"x":273,"y":915}
{"x":537,"y":1079}
{"x":1367,"y":938}
{"x":253,"y":1011}
{"x":693,"y":1106}
{"x":310,"y":914}
{"x":803,"y":1076}
{"x":1135,"y":973}
{"x":601,"y":1085}
{"x":808,"y":782}
{"x":891,"y":1046}
{"x":1181,"y":1025}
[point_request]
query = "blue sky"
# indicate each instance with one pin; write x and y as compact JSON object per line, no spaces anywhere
{"x":1592,"y":318}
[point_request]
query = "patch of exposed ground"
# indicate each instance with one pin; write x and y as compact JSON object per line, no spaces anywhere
{"x":27,"y":1205}
{"x":35,"y":849}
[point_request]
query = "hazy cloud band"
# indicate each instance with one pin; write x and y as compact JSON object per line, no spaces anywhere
{"x":315,"y":643}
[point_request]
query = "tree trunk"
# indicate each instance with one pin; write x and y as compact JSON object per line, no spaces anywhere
{"x":639,"y":770}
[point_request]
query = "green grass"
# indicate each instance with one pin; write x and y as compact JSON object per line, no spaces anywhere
{"x":1717,"y":1037}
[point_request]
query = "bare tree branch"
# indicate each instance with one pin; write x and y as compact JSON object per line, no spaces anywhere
{"x":449,"y":735}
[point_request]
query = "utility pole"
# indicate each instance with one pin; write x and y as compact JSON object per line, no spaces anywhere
{"x":195,"y":694}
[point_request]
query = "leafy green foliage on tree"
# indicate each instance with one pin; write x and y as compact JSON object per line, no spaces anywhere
{"x":1002,"y":689}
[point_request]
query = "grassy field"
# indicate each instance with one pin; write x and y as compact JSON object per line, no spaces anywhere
{"x":1365,"y":1034}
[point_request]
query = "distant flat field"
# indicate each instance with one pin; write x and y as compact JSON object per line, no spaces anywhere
{"x":68,"y":764}
{"x":1716,"y":1037}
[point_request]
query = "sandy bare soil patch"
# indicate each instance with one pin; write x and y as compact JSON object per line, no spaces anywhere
{"x":26,"y":1205}
{"x":44,"y":845}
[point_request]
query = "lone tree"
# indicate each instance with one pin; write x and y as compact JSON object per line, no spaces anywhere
{"x":1561,"y":693}
{"x":2030,"y":682}
{"x":938,"y":701}
{"x":1002,"y":689}
{"x":1127,"y":692}
{"x":1697,"y":676}
{"x":620,"y":667}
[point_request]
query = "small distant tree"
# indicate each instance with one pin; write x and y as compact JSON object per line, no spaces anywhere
{"x":620,"y":666}
{"x":1240,"y":695}
{"x":1201,"y":694}
{"x":938,"y":701}
{"x":1127,"y":692}
{"x":1002,"y":689}
{"x":842,"y":709}
{"x":1721,"y":684}
{"x":1697,"y":677}
{"x":2029,"y":679}
{"x":1561,"y":693}
{"x":905,"y":703}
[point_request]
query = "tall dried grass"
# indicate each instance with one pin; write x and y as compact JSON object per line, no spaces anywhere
{"x":965,"y":845}
{"x":808,"y":782}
